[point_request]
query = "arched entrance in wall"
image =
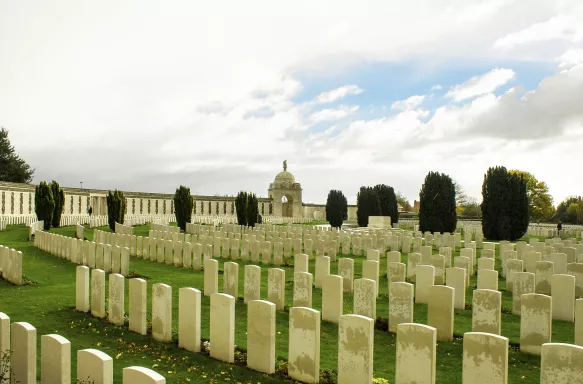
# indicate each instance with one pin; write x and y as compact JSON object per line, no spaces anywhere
{"x":287,"y":206}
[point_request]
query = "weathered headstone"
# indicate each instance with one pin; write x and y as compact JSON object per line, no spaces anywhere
{"x":485,"y":359}
{"x":261,"y":336}
{"x":563,"y":294}
{"x":416,"y":354}
{"x":98,"y":293}
{"x":488,"y":279}
{"x":346,"y":270}
{"x":82,"y":289}
{"x":535,"y":322}
{"x":561,"y":363}
{"x":355,"y":349}
{"x":486,"y":311}
{"x":304,"y":345}
{"x":211,"y":276}
{"x":189,"y":311}
{"x":222,"y":327}
{"x":440,"y":311}
{"x":95,"y":366}
{"x":364,"y":300}
{"x":425,"y":278}
{"x":55,"y":360}
{"x":523,"y":283}
{"x":252,"y":288}
{"x":302,"y":289}
{"x":276,"y":287}
{"x":23,"y":358}
{"x":138,"y":306}
{"x":322,"y":269}
{"x":162,"y":312}
{"x":116,"y":299}
{"x":401,"y":305}
{"x":332,"y":298}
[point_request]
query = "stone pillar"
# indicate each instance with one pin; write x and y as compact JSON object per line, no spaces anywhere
{"x":95,"y":366}
{"x":440,"y":311}
{"x":189,"y":310}
{"x":261,"y":336}
{"x":141,"y":375}
{"x":365,"y":300}
{"x":162,"y":312}
{"x":138,"y":306}
{"x":561,"y":363}
{"x":563,"y":294}
{"x":252,"y":288}
{"x":401,"y":305}
{"x":416,"y":354}
{"x":302,"y":289}
{"x":355,"y":349}
{"x":332,"y":298}
{"x":222,"y":327}
{"x":82,"y":289}
{"x":485,"y":359}
{"x":486,"y":311}
{"x":211,"y":276}
{"x":116,"y":299}
{"x":523,"y":283}
{"x":55,"y":360}
{"x":231,"y":279}
{"x":424,"y":280}
{"x":535,"y":322}
{"x":346,"y":270}
{"x":304,"y":345}
{"x":23,"y":359}
{"x":322,"y":269}
{"x":98,"y":293}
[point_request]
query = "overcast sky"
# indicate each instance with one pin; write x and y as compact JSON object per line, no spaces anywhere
{"x":148,"y":95}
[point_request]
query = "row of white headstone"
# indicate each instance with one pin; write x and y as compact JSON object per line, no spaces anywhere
{"x":416,"y":343}
{"x":11,"y":265}
{"x":19,"y":340}
{"x":95,"y":255}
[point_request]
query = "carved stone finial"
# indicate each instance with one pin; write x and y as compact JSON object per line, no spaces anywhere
{"x":285,"y":165}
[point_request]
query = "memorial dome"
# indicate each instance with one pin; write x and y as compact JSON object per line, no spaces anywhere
{"x":284,"y":177}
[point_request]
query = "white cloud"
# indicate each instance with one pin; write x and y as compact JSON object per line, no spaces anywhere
{"x":480,"y":85}
{"x":339,"y":93}
{"x":208,"y":98}
{"x":436,"y":87}
{"x":409,"y":103}
{"x":333,"y":114}
{"x":563,"y":27}
{"x":570,"y":58}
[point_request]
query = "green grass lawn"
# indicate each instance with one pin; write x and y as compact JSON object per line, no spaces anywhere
{"x":48,"y":304}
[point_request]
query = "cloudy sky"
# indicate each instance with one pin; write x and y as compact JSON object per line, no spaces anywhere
{"x":148,"y":95}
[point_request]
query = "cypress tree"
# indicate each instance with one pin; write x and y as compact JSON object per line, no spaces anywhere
{"x":116,"y":207}
{"x":437,"y":208}
{"x":12,"y":167}
{"x":367,"y":201}
{"x":336,"y":208}
{"x":241,"y":207}
{"x":504,"y":205}
{"x":44,"y":204}
{"x":59,"y":197}
{"x":252,"y":211}
{"x":388,"y":202}
{"x":183,"y":205}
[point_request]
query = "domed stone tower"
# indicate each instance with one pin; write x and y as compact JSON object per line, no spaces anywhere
{"x":286,"y":194}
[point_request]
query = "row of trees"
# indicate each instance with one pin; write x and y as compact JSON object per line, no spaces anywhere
{"x":49,"y":201}
{"x":570,"y":210}
{"x":247,"y":209}
{"x":379,"y":200}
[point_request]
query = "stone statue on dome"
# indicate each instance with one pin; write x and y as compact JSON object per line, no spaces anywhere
{"x":285,"y":165}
